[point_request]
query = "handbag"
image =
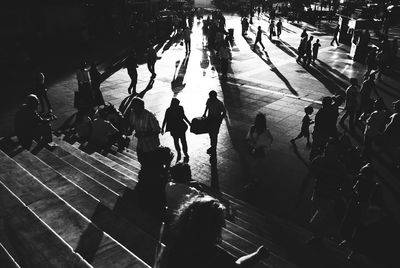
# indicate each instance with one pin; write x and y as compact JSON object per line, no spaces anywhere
{"x":200,"y":125}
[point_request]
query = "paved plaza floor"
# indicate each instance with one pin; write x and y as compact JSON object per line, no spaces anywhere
{"x":269,"y":81}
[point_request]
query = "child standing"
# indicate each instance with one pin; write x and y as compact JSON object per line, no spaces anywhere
{"x":306,"y":122}
{"x":315,"y":48}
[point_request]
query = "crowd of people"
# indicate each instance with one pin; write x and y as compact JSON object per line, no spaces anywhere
{"x":342,"y":172}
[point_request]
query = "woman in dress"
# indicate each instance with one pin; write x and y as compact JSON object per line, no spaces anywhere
{"x":176,"y":122}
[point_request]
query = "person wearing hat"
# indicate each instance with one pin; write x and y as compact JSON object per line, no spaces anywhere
{"x":351,"y":104}
{"x":29,"y":125}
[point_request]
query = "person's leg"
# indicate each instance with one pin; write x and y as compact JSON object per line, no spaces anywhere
{"x":346,"y":114}
{"x":130,"y":85}
{"x":184,"y":145}
{"x":190,"y":44}
{"x":262,"y":45}
{"x":177,"y":147}
{"x":149,"y":67}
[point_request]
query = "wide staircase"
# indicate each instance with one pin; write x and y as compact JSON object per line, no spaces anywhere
{"x":66,"y":206}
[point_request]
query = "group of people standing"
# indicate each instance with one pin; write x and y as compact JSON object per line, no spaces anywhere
{"x":307,"y":51}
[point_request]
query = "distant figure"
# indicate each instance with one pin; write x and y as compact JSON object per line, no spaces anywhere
{"x":174,"y":120}
{"x":335,"y":36}
{"x":225,"y":55}
{"x":151,"y":60}
{"x":147,"y":130}
{"x":391,"y":134}
{"x":315,"y":49}
{"x":29,"y":125}
{"x":367,"y":88}
{"x":258,"y":39}
{"x":351,"y":104}
{"x":85,"y":99}
{"x":245,"y":25}
{"x":375,"y":125}
{"x":279,"y":28}
{"x":305,"y":125}
{"x":131,"y":66}
{"x":95,"y":84}
{"x":259,"y":140}
{"x":301,"y":49}
{"x":40,"y":90}
{"x":271,"y":28}
{"x":186,"y":37}
{"x":304,"y":33}
{"x":393,"y":51}
{"x":194,"y":237}
{"x":215,"y":111}
{"x":308,"y":57}
{"x":371,"y":62}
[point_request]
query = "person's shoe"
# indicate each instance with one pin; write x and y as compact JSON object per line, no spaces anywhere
{"x":186,"y":159}
{"x":292,"y":142}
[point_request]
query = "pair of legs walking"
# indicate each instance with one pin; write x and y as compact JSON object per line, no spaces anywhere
{"x":258,"y":41}
{"x":182,"y":139}
{"x":150,"y":66}
{"x":134,"y":77}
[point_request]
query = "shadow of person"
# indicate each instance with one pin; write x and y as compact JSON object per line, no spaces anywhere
{"x":214,"y":180}
{"x":126,"y":103}
{"x":177,"y":84}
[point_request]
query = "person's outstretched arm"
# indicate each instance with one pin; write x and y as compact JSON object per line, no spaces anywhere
{"x":252,"y":259}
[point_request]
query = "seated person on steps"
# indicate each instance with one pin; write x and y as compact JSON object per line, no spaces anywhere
{"x":104,"y":134}
{"x":29,"y":125}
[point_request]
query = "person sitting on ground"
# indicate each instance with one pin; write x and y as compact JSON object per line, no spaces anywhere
{"x":104,"y":134}
{"x":29,"y":125}
{"x":83,"y":125}
{"x":194,"y":235}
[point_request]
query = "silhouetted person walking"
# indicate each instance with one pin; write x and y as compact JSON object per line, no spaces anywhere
{"x":335,"y":36}
{"x":258,"y":38}
{"x":215,"y":111}
{"x":151,"y":60}
{"x":351,"y":104}
{"x":131,"y":66}
{"x":306,"y":122}
{"x":174,"y":120}
{"x":186,"y":37}
{"x":279,"y":28}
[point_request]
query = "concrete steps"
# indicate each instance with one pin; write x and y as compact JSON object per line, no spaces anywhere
{"x":114,"y":224}
{"x":94,"y":191}
{"x":94,"y":245}
{"x":31,"y":241}
{"x":6,"y":259}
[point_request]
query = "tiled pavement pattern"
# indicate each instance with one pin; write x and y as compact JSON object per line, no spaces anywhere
{"x":270,"y":82}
